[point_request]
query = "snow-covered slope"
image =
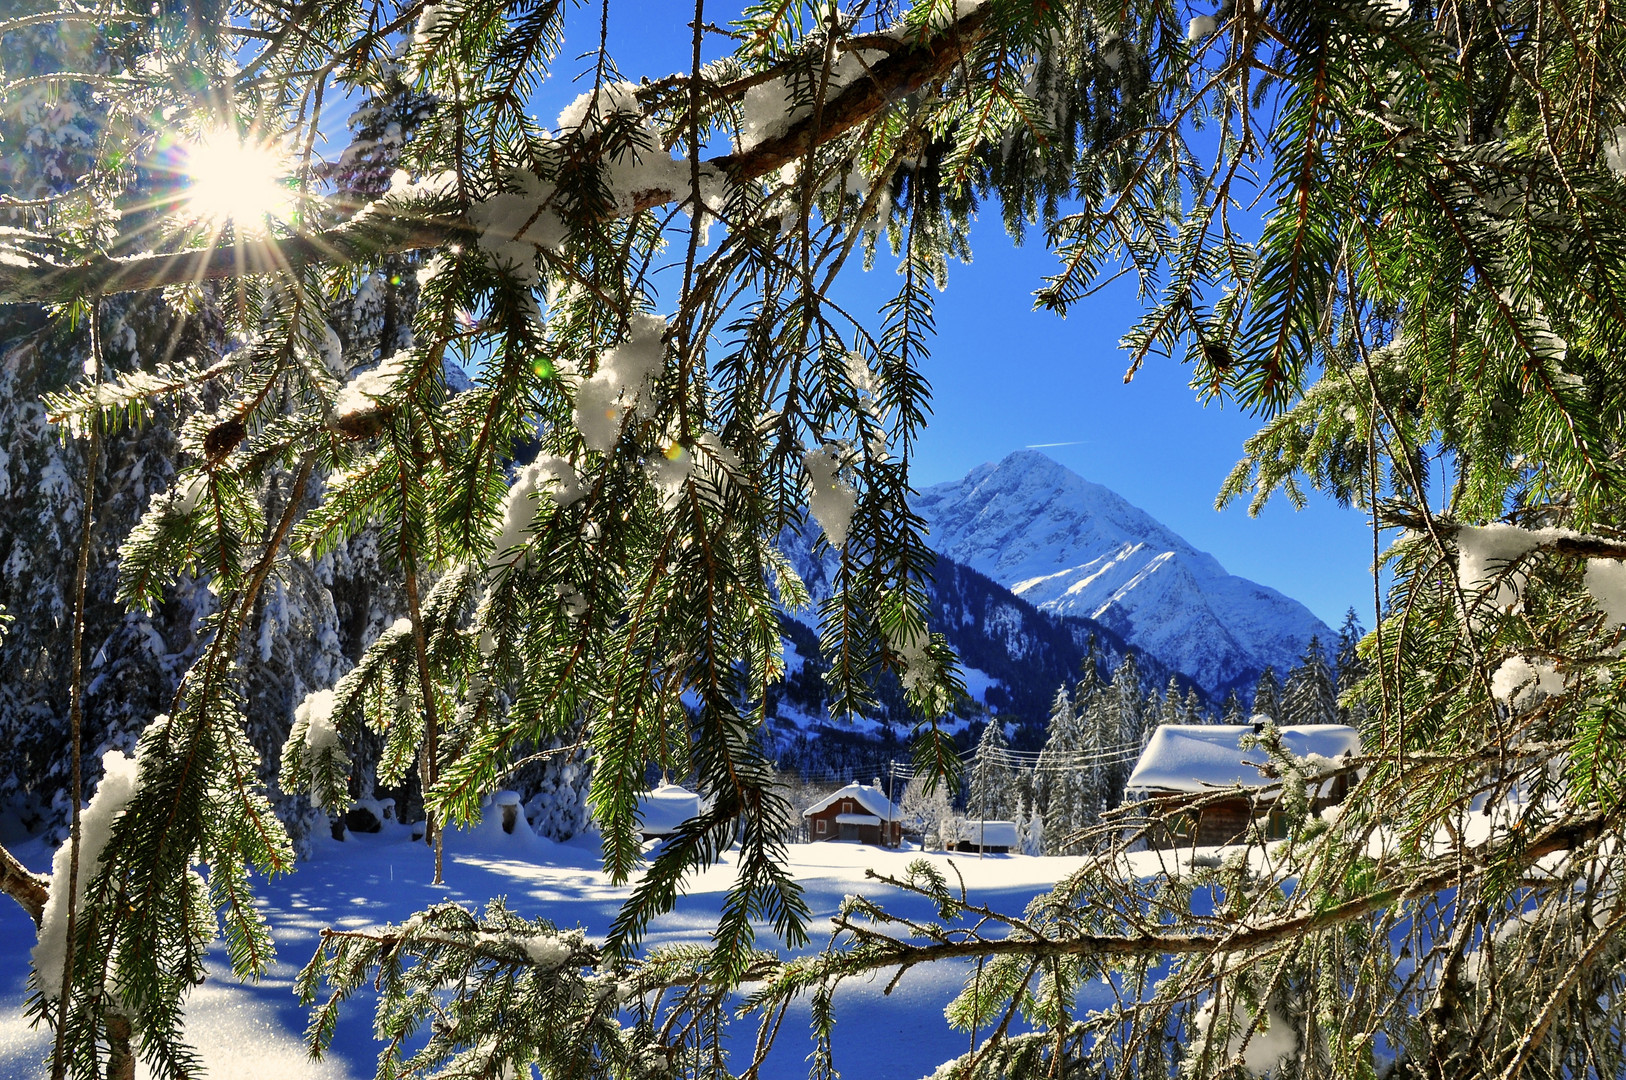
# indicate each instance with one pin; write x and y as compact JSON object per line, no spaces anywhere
{"x":1076,"y":548}
{"x":1014,"y":656}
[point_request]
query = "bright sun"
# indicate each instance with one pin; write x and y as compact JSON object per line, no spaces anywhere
{"x":237,"y":181}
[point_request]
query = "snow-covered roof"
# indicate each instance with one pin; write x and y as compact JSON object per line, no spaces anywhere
{"x":666,"y":808}
{"x":869,"y":797}
{"x":990,"y":833}
{"x":1197,"y":757}
{"x":857,"y":819}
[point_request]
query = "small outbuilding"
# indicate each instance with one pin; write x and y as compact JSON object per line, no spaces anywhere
{"x":988,"y":837}
{"x":1185,"y":760}
{"x":858,"y":813}
{"x":663,"y":811}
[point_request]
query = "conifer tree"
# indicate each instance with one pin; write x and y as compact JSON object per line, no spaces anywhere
{"x":1267,"y":693}
{"x":992,"y":794}
{"x":1350,"y":670}
{"x":1172,"y":709}
{"x":1117,"y":724}
{"x":1310,"y":696}
{"x":1062,"y":740}
{"x":1126,"y":687}
{"x":1034,"y":837}
{"x":1069,"y":775}
{"x":925,"y":805}
{"x":1233,"y":712}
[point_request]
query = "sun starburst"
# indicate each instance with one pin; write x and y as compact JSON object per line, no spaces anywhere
{"x":241,"y":181}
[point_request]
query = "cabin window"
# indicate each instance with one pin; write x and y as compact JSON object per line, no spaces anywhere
{"x":821,"y":825}
{"x":846,"y":808}
{"x":1276,"y":825}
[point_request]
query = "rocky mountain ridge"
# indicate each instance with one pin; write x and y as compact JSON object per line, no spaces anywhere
{"x":1075,"y":548}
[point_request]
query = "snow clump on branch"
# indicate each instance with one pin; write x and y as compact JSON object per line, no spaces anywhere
{"x":314,"y":727}
{"x":1203,"y":26}
{"x":668,"y":472}
{"x":549,"y":951}
{"x":184,"y":500}
{"x":361,"y":394}
{"x":1606,"y":581}
{"x":710,"y":462}
{"x":404,"y":189}
{"x":549,"y":476}
{"x":918,"y":666}
{"x":641,"y":170}
{"x":830,"y":499}
{"x":1520,"y":681}
{"x":1485,"y":551}
{"x":601,"y":103}
{"x":603,"y":401}
{"x":513,"y":224}
{"x":1270,"y":1042}
{"x":317,"y":713}
{"x":944,"y":14}
{"x":118,"y":786}
{"x":430,"y":20}
{"x":769,"y":109}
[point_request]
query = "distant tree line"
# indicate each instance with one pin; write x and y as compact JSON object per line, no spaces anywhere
{"x":1099,"y":725}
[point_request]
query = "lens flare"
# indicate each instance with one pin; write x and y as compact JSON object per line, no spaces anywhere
{"x":241,"y":182}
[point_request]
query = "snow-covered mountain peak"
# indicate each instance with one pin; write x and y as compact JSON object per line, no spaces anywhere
{"x":1028,"y":516}
{"x":1078,"y":548}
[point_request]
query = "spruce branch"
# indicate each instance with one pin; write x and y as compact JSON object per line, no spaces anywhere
{"x":1574,"y":544}
{"x":383,"y":232}
{"x":76,"y":703}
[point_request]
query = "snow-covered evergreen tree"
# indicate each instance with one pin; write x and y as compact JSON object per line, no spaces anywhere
{"x":1267,"y":696}
{"x":1068,"y":775}
{"x":1134,"y":725}
{"x":1350,"y":669}
{"x":1172,"y":709}
{"x":1092,"y":679}
{"x":1033,"y":836}
{"x":1310,"y":696}
{"x":1062,"y":739}
{"x":925,"y":805}
{"x":1193,"y":711}
{"x":992,"y":791}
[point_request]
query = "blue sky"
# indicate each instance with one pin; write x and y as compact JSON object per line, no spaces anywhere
{"x":1005,"y":376}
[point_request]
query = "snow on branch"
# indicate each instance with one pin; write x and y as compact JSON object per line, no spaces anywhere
{"x":1484,"y":554}
{"x":1557,"y":541}
{"x":383,"y":230}
{"x":29,"y":889}
{"x":1476,"y":861}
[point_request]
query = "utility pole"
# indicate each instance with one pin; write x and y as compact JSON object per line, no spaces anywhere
{"x":891,"y":803}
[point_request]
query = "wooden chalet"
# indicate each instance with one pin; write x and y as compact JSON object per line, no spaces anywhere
{"x":857,"y":813}
{"x":1184,"y":762}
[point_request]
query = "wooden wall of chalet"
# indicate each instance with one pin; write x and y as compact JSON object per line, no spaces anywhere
{"x":1226,"y":821}
{"x":823,"y":826}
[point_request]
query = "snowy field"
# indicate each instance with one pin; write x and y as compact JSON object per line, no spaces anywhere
{"x":255,"y":1031}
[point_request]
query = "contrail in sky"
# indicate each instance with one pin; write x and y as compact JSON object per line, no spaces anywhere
{"x":1047,"y":445}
